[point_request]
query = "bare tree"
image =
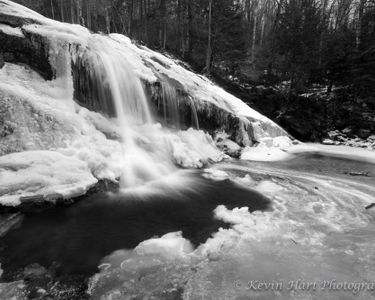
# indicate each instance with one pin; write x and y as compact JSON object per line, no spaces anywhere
{"x":52,"y":10}
{"x":209,"y":46}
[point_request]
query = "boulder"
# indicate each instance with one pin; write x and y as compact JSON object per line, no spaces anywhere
{"x":363,"y":133}
{"x":347,"y":131}
{"x":34,"y":270}
{"x":333,"y":134}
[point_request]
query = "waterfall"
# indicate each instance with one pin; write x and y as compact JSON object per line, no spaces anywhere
{"x":170,"y":105}
{"x":173,"y":104}
{"x":144,"y":160}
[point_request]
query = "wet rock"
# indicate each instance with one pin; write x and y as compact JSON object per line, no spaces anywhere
{"x":347,"y":131}
{"x":363,"y":133}
{"x":34,"y":203}
{"x":357,"y":174}
{"x":228,"y":146}
{"x":34,"y":270}
{"x":333,"y":134}
{"x":30,"y":49}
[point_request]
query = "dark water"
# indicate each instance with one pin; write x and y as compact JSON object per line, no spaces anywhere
{"x":76,"y":238}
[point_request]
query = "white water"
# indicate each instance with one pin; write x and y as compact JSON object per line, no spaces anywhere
{"x":144,"y":160}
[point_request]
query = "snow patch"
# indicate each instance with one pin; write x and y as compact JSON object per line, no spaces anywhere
{"x":9,"y":30}
{"x":170,"y":246}
{"x":32,"y":173}
{"x":335,"y":151}
{"x":194,"y":148}
{"x":214,"y":174}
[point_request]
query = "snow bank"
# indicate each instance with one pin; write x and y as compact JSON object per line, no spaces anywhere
{"x":335,"y":151}
{"x":32,"y":173}
{"x":13,"y":9}
{"x":11,"y":30}
{"x":217,"y":175}
{"x":194,"y":148}
{"x":170,"y":246}
{"x":40,"y":115}
{"x":269,"y":149}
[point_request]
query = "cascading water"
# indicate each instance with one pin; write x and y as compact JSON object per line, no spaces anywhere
{"x":170,"y":106}
{"x":144,"y":161}
{"x":318,"y":230}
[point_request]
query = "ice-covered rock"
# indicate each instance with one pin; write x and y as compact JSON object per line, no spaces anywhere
{"x":31,"y":173}
{"x":215,"y":107}
{"x":44,"y":116}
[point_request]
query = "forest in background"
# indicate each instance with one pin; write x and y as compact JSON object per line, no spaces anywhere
{"x":328,"y":42}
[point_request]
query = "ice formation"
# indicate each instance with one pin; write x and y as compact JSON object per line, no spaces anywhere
{"x":43,"y":116}
{"x":307,"y":236}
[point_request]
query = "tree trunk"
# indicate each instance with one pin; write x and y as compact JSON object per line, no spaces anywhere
{"x":209,"y":47}
{"x":165,"y":36}
{"x":146,"y":21}
{"x":323,"y":23}
{"x":188,"y":29}
{"x":130,"y":18}
{"x":140,"y":28}
{"x":254,"y":36}
{"x":359,"y":24}
{"x":262,"y":22}
{"x":107,"y":20}
{"x":52,"y":10}
{"x":62,"y":11}
{"x":180,"y":36}
{"x":183,"y":27}
{"x":80,"y":19}
{"x":162,"y":24}
{"x":72,"y":17}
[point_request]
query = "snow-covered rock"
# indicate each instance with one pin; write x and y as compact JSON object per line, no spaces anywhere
{"x":64,"y":147}
{"x":151,"y":66}
{"x":44,"y":173}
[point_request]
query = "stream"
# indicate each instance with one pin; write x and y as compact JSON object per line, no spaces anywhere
{"x":306,"y":231}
